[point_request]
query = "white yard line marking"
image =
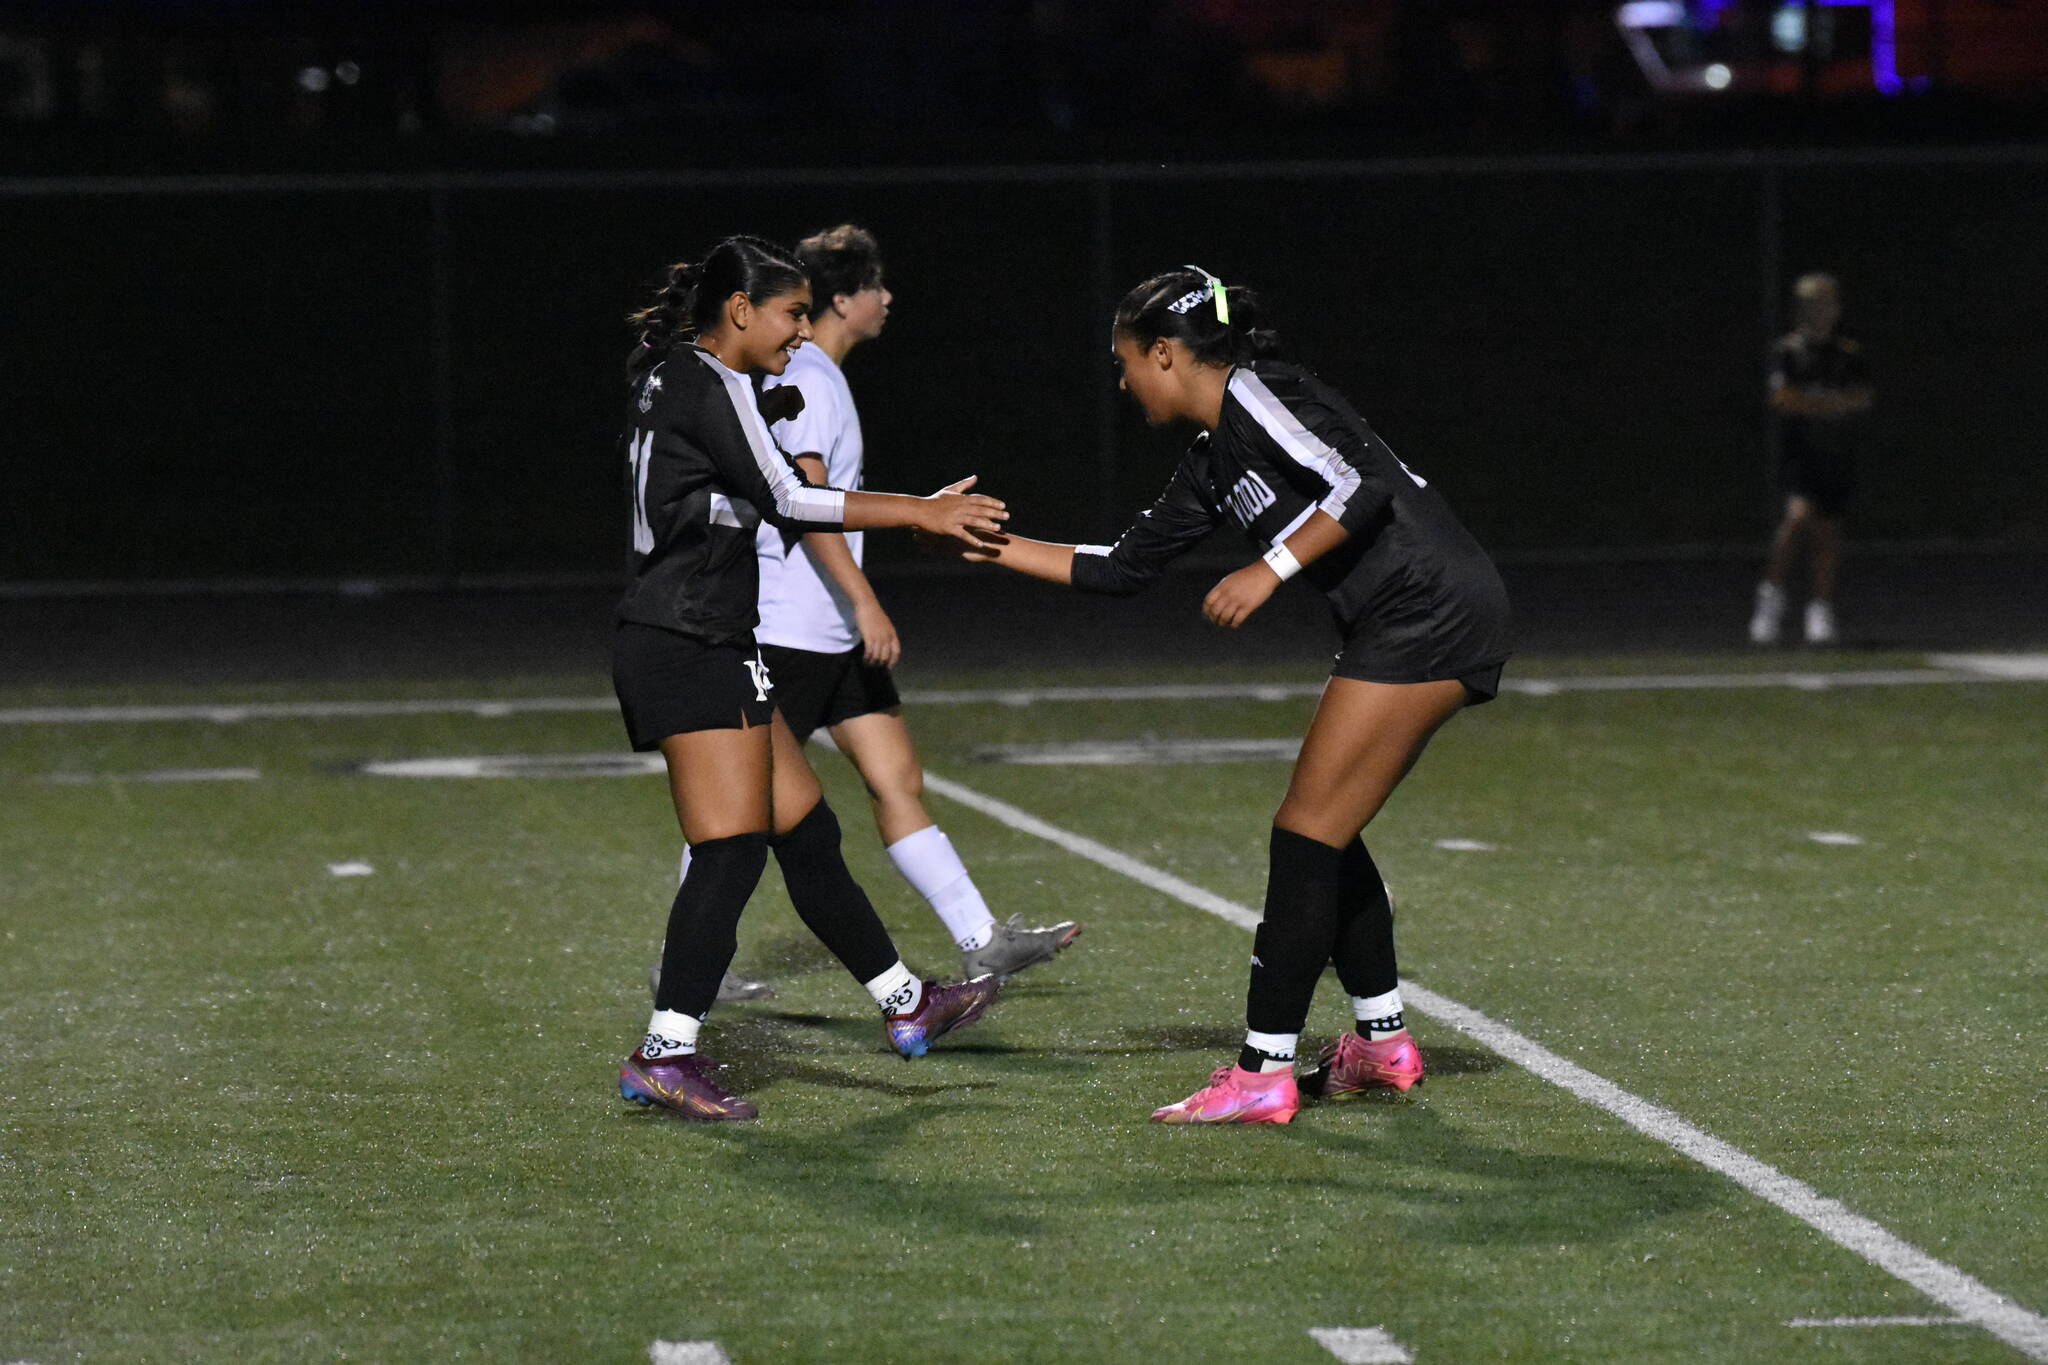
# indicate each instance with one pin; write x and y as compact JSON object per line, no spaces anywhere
{"x":1876,"y":1322}
{"x":1467,"y":846}
{"x":351,"y":869}
{"x":1142,"y":752}
{"x":1835,"y":837}
{"x":160,"y":775}
{"x":1361,"y":1345}
{"x":518,"y":765}
{"x":1965,"y":1295}
{"x":230,"y":713}
{"x":2020,"y":667}
{"x":687,"y":1353}
{"x":1987,"y":668}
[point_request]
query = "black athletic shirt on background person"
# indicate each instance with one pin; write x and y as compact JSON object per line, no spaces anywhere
{"x":1413,"y":593}
{"x":1825,"y":363}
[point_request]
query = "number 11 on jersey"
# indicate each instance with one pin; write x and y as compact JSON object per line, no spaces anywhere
{"x":638,"y":457}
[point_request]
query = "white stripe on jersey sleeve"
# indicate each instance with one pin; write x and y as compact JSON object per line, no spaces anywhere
{"x":1280,"y":536}
{"x":737,"y":513}
{"x":1303,"y":446}
{"x":793,"y":499}
{"x":1093,"y":549}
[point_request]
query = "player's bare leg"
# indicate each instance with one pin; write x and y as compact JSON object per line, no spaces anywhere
{"x":881,"y":750}
{"x":719,"y":780}
{"x":1363,"y":741}
{"x":794,"y":786}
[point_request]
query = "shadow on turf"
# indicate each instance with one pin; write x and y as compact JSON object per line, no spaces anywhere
{"x":1457,"y":1189}
{"x":847,"y":1169}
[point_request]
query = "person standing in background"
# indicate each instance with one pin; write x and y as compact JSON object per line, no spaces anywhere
{"x":823,"y":632}
{"x":1818,"y":391}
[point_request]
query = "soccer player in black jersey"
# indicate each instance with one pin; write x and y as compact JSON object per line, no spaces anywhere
{"x":702,"y":475}
{"x":1819,"y":391}
{"x":1421,"y":613}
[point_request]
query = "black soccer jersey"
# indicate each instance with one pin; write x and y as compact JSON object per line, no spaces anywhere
{"x":1410,"y":588}
{"x":1829,"y":364}
{"x":703,"y":473}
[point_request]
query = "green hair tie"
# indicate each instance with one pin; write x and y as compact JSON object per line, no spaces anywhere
{"x":1216,"y":292}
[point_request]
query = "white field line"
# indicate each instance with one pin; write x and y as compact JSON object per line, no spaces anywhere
{"x":1876,"y":1322}
{"x":1967,"y":1297}
{"x":227,"y":713}
{"x":160,"y":775}
{"x":1361,"y":1345}
{"x":687,"y":1353}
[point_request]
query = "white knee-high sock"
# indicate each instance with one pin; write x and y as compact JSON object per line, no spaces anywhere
{"x":927,"y":861}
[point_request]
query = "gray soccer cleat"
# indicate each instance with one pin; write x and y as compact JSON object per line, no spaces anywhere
{"x":1014,"y":946}
{"x":731,"y":986}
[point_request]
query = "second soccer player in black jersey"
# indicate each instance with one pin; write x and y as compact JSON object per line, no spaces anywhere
{"x":702,"y":474}
{"x":1419,"y":609}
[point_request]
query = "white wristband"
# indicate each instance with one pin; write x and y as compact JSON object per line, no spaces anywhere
{"x":1282,"y":562}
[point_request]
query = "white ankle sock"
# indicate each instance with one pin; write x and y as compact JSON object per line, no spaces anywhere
{"x":897,"y":991}
{"x":1377,"y":1008}
{"x":1278,"y":1047}
{"x":927,"y":861}
{"x":670,"y":1033}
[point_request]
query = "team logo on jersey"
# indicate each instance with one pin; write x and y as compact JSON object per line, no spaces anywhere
{"x":761,"y":683}
{"x":649,"y":387}
{"x":1250,"y":497}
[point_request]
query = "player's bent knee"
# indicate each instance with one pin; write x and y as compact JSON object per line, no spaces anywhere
{"x":1319,"y":821}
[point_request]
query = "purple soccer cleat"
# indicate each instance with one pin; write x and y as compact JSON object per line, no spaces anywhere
{"x":943,"y":1009}
{"x":682,"y":1086}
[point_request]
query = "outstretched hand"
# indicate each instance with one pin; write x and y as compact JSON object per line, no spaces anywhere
{"x":954,"y":514}
{"x":1240,"y":594}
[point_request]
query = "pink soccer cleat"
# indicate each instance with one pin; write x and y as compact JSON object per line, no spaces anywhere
{"x":1355,"y":1064}
{"x":1234,"y":1095}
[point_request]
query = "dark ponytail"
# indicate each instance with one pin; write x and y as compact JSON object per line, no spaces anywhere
{"x":1181,"y":304}
{"x":692,"y":297}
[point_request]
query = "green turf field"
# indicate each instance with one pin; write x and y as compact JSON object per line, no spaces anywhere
{"x":254,"y":1111}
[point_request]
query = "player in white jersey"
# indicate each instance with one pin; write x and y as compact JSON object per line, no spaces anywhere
{"x":829,"y":645}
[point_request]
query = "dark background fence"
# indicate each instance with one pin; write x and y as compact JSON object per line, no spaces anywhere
{"x":418,"y":375}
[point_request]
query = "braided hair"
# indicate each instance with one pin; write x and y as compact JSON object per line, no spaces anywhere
{"x":1184,"y":304}
{"x":692,"y":296}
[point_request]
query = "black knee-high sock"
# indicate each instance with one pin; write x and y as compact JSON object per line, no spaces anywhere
{"x":1303,"y":894}
{"x":828,"y":899}
{"x":1365,"y":940}
{"x":704,"y":918}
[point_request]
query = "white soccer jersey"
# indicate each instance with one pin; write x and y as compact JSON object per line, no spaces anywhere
{"x":801,"y":607}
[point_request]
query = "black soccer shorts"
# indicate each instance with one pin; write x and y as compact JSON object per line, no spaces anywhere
{"x":817,"y":691}
{"x":669,"y":683}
